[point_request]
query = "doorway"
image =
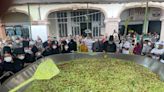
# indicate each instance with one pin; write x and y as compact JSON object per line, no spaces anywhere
{"x":154,"y":26}
{"x":83,"y":27}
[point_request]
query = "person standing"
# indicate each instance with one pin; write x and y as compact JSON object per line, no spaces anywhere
{"x":64,"y":47}
{"x":157,"y":51}
{"x":97,"y":46}
{"x":72,"y":45}
{"x":83,"y":47}
{"x":137,"y":49}
{"x":110,"y":46}
{"x":146,"y":48}
{"x":8,"y":64}
{"x":19,"y":59}
{"x":88,"y":42}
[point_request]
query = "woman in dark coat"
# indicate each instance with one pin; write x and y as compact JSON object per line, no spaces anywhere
{"x":72,"y":45}
{"x":19,"y":59}
{"x":110,"y":46}
{"x":8,"y":64}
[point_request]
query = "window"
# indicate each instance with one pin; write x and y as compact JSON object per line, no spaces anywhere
{"x":79,"y":17}
{"x":75,"y":30}
{"x":25,"y":31}
{"x":19,"y":31}
{"x":62,"y":23}
{"x":10,"y":31}
{"x":96,"y":31}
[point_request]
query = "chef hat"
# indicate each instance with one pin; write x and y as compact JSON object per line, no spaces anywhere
{"x":160,"y":43}
{"x":147,"y":39}
{"x":17,"y":51}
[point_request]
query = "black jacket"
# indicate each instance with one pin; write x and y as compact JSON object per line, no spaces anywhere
{"x":1,"y":69}
{"x":97,"y":46}
{"x":18,"y":65}
{"x":29,"y":58}
{"x":72,"y":46}
{"x":8,"y":66}
{"x":47,"y":51}
{"x":109,"y":47}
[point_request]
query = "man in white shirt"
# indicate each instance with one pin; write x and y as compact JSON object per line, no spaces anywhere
{"x":157,"y":51}
{"x":88,"y":41}
{"x":126,"y":47}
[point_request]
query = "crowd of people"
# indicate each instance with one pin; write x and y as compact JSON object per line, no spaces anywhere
{"x":17,"y":52}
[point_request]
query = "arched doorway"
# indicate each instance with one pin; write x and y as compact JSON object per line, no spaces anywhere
{"x":76,"y":22}
{"x":16,"y":24}
{"x":134,"y":18}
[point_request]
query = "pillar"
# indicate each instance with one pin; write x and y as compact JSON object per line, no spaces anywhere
{"x":40,"y":28}
{"x":69,"y":24}
{"x":111,"y":24}
{"x":162,"y":30}
{"x":2,"y":31}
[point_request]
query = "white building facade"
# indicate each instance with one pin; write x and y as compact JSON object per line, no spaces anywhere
{"x":64,"y":19}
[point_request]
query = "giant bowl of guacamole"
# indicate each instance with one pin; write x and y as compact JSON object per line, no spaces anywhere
{"x":100,"y":75}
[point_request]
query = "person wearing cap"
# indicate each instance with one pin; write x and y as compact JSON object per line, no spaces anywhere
{"x":29,"y":56}
{"x":6,"y":49}
{"x":157,"y":51}
{"x":19,"y":59}
{"x":8,"y":64}
{"x":110,"y":46}
{"x":27,"y":46}
{"x":6,"y":68}
{"x":55,"y":41}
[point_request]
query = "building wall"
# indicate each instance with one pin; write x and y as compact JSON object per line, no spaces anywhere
{"x":15,"y":19}
{"x":112,"y":12}
{"x":137,"y":14}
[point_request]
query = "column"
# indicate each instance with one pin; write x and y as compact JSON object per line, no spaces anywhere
{"x":162,"y":30}
{"x":2,"y":31}
{"x":111,"y":24}
{"x":69,"y":24}
{"x":40,"y":28}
